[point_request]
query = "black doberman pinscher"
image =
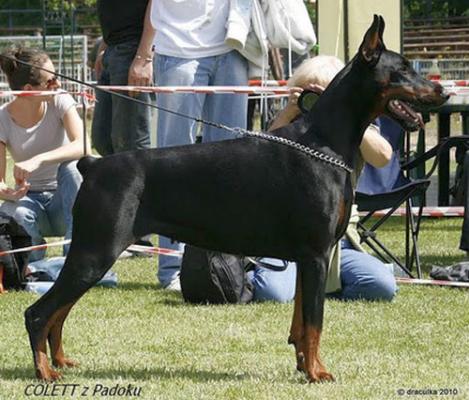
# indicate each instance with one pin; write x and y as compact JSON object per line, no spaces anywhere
{"x":243,"y":196}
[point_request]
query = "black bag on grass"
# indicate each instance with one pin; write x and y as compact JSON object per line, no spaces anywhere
{"x":13,"y":236}
{"x":213,"y":277}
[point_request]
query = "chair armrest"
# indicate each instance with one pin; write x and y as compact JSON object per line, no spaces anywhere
{"x":435,"y":152}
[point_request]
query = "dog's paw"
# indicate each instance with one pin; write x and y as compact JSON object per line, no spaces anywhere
{"x":65,"y":363}
{"x":48,"y":375}
{"x":320,"y":376}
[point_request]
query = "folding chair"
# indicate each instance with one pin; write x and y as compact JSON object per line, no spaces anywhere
{"x":388,"y":188}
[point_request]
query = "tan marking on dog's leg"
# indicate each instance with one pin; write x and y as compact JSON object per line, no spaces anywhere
{"x":2,"y":288}
{"x":41,"y":363}
{"x":296,"y":329}
{"x":314,"y":368}
{"x":55,"y":340}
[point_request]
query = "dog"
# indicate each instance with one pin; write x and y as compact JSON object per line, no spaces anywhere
{"x":248,"y":195}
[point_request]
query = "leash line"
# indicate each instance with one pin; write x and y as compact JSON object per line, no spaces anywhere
{"x":135,"y":248}
{"x":432,"y":282}
{"x":243,"y":132}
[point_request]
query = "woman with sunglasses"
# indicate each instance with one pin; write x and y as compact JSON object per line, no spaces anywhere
{"x":353,"y":274}
{"x":43,"y":136}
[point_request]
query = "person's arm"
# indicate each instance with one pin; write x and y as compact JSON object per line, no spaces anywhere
{"x":98,"y":64}
{"x":290,"y":112}
{"x":374,"y":148}
{"x":141,"y":69}
{"x":7,"y":193}
{"x":71,"y":151}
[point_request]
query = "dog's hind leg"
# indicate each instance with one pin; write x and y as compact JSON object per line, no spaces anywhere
{"x":296,"y":329}
{"x":313,"y":282}
{"x":92,"y":253}
{"x":55,"y":341}
{"x":45,"y":318}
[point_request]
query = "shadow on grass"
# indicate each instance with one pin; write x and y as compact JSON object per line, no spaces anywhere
{"x":193,"y":375}
{"x":146,"y":374}
{"x":138,"y":286}
{"x":18,"y":373}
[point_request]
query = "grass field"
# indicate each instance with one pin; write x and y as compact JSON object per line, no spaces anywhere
{"x":143,"y":336}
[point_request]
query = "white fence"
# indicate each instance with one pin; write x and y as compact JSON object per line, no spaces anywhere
{"x":450,"y":68}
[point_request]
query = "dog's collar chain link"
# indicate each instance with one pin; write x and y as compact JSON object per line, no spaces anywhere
{"x":298,"y":146}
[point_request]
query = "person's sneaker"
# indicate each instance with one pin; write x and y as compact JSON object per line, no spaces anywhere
{"x":174,"y":285}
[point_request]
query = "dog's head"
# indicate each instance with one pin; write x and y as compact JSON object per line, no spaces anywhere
{"x":401,"y":91}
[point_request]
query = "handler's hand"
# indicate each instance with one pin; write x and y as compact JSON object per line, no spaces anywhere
{"x":140,"y":74}
{"x":23,"y":169}
{"x":7,"y":193}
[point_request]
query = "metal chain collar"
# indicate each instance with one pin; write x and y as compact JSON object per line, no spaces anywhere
{"x":297,"y":146}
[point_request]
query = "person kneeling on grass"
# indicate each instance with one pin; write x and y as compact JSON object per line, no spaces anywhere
{"x":353,"y":274}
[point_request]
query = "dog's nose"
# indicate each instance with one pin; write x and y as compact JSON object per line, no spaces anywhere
{"x":438,"y":88}
{"x":440,"y":91}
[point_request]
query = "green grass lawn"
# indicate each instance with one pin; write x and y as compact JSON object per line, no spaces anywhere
{"x":141,"y":335}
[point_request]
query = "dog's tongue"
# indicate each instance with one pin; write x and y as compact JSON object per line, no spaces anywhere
{"x":413,"y":113}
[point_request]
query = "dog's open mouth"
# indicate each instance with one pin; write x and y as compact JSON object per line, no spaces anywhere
{"x":403,"y":113}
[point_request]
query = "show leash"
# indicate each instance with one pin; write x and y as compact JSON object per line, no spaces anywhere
{"x":313,"y":153}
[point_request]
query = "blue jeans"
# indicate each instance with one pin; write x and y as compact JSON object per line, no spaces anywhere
{"x":228,"y":69}
{"x":362,"y":276}
{"x":120,"y":124}
{"x":48,"y":213}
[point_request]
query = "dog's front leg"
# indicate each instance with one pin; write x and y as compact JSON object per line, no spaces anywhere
{"x":313,"y":282}
{"x":296,"y":329}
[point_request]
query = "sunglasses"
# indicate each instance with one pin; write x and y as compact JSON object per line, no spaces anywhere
{"x":52,"y":81}
{"x":307,"y":100}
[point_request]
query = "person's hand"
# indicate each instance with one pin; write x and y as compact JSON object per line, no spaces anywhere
{"x":98,"y":64}
{"x":293,"y":97}
{"x":23,"y":169}
{"x":140,"y":73}
{"x":315,"y":88}
{"x":291,"y":110}
{"x":296,"y":91}
{"x":10,"y":194}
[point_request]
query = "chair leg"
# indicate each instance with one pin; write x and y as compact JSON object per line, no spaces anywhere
{"x":369,"y":237}
{"x":415,"y":229}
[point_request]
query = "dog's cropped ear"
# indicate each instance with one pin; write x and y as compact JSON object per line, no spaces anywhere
{"x":381,"y":29}
{"x":373,"y":45}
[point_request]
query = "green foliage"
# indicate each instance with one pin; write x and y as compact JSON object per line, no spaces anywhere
{"x":435,"y":8}
{"x":80,"y":10}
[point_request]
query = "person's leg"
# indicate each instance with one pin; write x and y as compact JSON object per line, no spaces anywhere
{"x":365,"y":277}
{"x":173,"y":130}
{"x":131,"y":122}
{"x":270,"y":285}
{"x":30,"y":213}
{"x":59,"y":208}
{"x":102,"y":116}
{"x":231,"y":69}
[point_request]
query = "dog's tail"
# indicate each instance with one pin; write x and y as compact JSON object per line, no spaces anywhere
{"x":85,"y":163}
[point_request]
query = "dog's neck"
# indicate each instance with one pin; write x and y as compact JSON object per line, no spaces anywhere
{"x":343,"y":112}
